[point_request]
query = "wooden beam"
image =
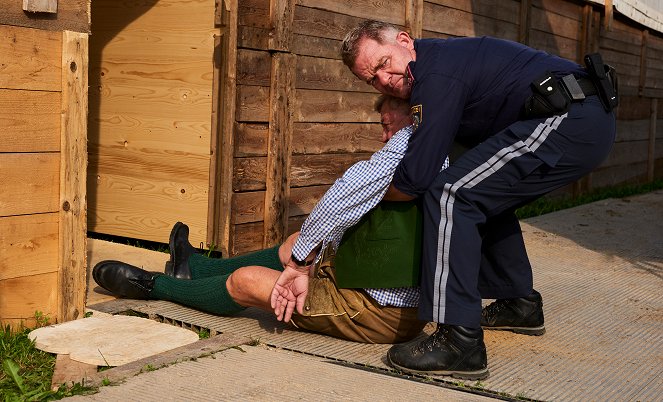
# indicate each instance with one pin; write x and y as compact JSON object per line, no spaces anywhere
{"x":72,"y":281}
{"x":651,"y":157}
{"x":414,"y":17}
{"x":594,"y":44}
{"x":41,"y":6}
{"x":279,"y":150}
{"x":215,"y":162}
{"x":586,"y":33}
{"x":643,"y":62}
{"x":281,"y":15}
{"x":607,"y":22}
{"x":524,"y":21}
{"x":221,"y":235}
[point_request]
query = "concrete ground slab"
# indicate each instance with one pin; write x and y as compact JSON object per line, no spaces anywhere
{"x":261,"y":373}
{"x":600,"y":270}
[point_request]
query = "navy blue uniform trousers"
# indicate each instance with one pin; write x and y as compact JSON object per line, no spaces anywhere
{"x":473,"y":246}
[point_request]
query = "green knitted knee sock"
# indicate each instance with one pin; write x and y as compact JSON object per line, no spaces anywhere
{"x":209,"y":294}
{"x":204,"y":267}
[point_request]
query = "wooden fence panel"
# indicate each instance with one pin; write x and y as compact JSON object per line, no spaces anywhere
{"x":31,"y":183}
{"x":30,"y":58}
{"x":29,"y":245}
{"x":151,"y":70}
{"x":30,"y":121}
{"x":73,"y":15}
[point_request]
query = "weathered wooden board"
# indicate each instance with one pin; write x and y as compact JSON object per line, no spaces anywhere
{"x":30,"y":57}
{"x":31,"y":183}
{"x":72,"y":15}
{"x":29,"y":245}
{"x":392,"y":11}
{"x":505,"y":10}
{"x":459,"y":22}
{"x":30,"y":121}
{"x":619,"y":175}
{"x":312,"y":138}
{"x":309,"y":105}
{"x":627,"y":153}
{"x":335,"y":106}
{"x":306,"y":170}
{"x":249,"y":206}
{"x":22,"y":297}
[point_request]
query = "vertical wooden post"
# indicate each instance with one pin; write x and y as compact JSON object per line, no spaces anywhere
{"x":585,"y":39}
{"x":277,"y":191}
{"x":525,"y":21}
{"x":281,"y":102}
{"x":607,"y":22}
{"x":643,"y":62}
{"x":651,"y":158}
{"x":414,"y":17}
{"x":281,"y":15}
{"x":219,"y":224}
{"x":72,"y":277}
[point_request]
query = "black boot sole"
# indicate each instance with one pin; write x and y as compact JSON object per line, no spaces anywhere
{"x":463,"y":375}
{"x":532,"y":331}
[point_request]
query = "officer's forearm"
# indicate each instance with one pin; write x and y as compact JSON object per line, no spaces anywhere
{"x":394,"y":194}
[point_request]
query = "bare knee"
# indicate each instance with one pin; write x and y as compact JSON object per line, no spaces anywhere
{"x":239,"y":284}
{"x":252,"y":286}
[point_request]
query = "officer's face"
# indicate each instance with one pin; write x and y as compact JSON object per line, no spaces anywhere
{"x":383,"y":65}
{"x":393,"y":119}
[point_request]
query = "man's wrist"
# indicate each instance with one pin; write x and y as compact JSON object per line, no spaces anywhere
{"x":302,"y":263}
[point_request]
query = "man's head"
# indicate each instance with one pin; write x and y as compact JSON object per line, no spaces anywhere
{"x":378,"y":54}
{"x":394,"y":115}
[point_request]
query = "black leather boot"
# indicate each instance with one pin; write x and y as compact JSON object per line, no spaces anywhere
{"x":124,"y":280}
{"x":451,"y":350}
{"x":180,"y":251}
{"x":522,"y":315}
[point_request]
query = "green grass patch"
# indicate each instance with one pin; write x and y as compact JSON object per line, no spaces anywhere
{"x":546,"y":205}
{"x":26,"y":372}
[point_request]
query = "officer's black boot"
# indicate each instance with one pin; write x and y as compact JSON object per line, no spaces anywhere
{"x":523,"y":315}
{"x":451,"y":350}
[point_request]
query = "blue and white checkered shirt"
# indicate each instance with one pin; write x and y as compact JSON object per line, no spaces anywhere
{"x":359,"y":190}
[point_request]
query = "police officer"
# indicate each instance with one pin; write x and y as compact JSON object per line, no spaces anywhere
{"x":533,"y":123}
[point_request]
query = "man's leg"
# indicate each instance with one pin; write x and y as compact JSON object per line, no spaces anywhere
{"x":506,"y":274}
{"x":521,"y":163}
{"x":505,"y":270}
{"x":186,"y":262}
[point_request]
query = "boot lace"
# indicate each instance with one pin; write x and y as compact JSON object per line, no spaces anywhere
{"x":494,"y":308}
{"x":434,"y":340}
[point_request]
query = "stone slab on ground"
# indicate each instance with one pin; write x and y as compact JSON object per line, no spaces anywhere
{"x":110,"y":340}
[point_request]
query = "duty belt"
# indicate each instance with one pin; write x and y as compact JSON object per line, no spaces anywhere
{"x":578,"y":89}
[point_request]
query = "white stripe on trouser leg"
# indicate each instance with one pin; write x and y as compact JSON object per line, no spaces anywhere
{"x":476,"y":176}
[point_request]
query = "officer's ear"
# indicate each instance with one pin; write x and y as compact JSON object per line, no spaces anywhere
{"x":404,"y":39}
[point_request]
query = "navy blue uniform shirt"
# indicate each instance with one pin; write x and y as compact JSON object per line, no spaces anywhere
{"x":467,"y":89}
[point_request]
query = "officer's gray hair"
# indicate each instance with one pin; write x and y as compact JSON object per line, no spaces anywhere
{"x":379,"y":31}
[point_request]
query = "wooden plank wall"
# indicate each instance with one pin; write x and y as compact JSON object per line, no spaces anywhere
{"x":72,"y":15}
{"x":151,"y":79}
{"x":30,"y":105}
{"x":333,"y":124}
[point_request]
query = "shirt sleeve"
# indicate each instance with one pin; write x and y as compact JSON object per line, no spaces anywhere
{"x":441,"y":100}
{"x":359,"y":190}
